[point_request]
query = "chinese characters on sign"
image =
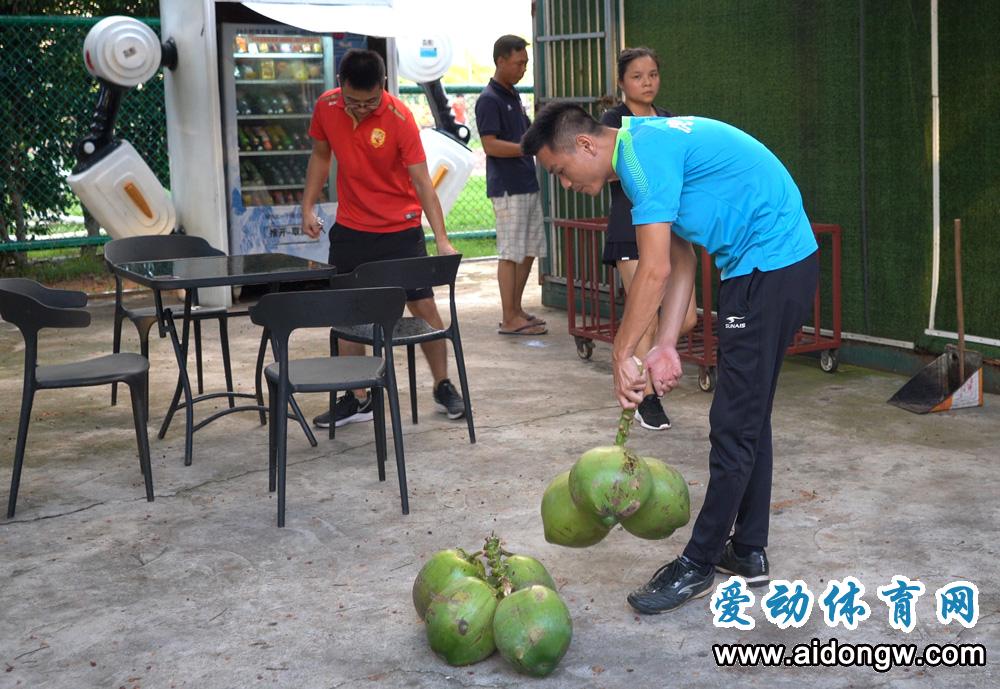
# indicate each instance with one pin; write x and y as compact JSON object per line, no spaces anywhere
{"x":790,"y":603}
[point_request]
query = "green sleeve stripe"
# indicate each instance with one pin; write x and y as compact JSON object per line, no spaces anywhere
{"x":624,"y":147}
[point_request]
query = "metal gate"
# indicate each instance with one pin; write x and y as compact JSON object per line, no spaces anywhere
{"x":576,"y":45}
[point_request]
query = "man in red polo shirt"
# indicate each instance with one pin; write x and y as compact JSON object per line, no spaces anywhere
{"x":382,"y":187}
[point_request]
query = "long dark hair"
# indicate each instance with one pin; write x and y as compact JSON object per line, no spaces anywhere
{"x":627,"y":55}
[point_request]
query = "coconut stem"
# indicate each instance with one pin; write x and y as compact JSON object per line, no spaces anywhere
{"x":625,"y":420}
{"x":498,"y":566}
{"x":624,"y":426}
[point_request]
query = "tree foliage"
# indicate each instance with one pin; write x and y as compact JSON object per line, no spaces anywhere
{"x":82,"y":8}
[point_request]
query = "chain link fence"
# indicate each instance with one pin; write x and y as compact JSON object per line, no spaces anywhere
{"x":472,"y":210}
{"x":47,"y":99}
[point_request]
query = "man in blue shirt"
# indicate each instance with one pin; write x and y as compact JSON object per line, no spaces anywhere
{"x":511,"y":184}
{"x":693,"y":180}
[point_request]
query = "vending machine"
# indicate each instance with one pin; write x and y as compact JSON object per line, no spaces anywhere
{"x":237,"y":131}
{"x":272,"y":76}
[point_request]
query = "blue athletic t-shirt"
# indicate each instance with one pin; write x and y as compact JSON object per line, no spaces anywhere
{"x":720,"y":187}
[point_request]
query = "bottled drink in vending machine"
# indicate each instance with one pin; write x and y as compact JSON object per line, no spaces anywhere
{"x":286,"y":103}
{"x":265,"y":140}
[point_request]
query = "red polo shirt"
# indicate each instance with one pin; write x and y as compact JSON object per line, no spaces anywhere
{"x":374,"y":189}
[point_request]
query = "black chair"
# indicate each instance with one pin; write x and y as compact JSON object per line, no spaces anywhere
{"x":162,"y":248}
{"x":410,"y":273}
{"x":31,"y":307}
{"x":282,"y":313}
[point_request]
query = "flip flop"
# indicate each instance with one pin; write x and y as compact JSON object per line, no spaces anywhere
{"x":532,"y":320}
{"x":524,"y":330}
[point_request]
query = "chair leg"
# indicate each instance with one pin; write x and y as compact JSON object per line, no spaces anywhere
{"x":456,"y":343}
{"x":259,"y":375}
{"x":27,"y":399}
{"x":116,"y":346}
{"x":281,"y":441}
{"x":226,"y":365}
{"x":332,"y":431}
{"x":144,"y":350}
{"x":397,"y":441}
{"x":139,"y":390}
{"x":334,"y":351}
{"x":411,"y":367}
{"x":300,"y":417}
{"x":197,"y":356}
{"x":378,"y":407}
{"x":272,"y":398}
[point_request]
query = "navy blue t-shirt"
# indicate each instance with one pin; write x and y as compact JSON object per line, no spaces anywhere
{"x":500,"y":113}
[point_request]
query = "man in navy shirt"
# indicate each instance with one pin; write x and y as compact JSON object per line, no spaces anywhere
{"x":693,"y":180}
{"x":511,"y":184}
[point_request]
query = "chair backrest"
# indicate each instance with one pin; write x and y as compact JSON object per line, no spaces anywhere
{"x":57,"y":298}
{"x":31,"y":307}
{"x":157,"y":247}
{"x":283,"y":312}
{"x":408,"y":273}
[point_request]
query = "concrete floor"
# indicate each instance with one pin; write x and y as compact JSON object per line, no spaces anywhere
{"x":199,"y":589}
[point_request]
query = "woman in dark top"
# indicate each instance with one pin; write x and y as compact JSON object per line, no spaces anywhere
{"x":639,"y":81}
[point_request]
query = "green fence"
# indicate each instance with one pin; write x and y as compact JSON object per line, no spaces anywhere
{"x":46,"y":102}
{"x":841,"y":92}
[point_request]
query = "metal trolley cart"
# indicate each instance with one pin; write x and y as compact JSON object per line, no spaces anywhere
{"x":594,"y":294}
{"x":594,"y":297}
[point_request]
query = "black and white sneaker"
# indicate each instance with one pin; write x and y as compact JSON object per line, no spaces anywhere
{"x":448,"y":400}
{"x":650,"y":414}
{"x":752,"y":567}
{"x":347,"y":410}
{"x":673,"y":585}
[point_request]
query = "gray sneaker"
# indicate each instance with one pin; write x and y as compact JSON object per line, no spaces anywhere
{"x":347,"y":410}
{"x":448,"y":400}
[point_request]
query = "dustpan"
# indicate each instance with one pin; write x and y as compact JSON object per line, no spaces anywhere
{"x":940,"y":385}
{"x":955,"y":379}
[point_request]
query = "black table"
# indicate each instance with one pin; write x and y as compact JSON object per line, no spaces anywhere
{"x":190,"y":274}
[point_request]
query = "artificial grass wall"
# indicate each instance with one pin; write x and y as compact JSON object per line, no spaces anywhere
{"x":789,"y":73}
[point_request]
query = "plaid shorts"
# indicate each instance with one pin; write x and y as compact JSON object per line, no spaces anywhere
{"x":520,"y":230}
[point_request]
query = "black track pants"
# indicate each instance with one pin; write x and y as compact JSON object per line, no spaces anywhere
{"x":759,"y":314}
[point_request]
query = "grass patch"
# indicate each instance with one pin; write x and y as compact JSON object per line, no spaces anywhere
{"x":469,"y":248}
{"x":75,"y":267}
{"x":472,"y":210}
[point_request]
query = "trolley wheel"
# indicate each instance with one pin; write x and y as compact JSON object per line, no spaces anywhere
{"x":584,"y":347}
{"x":828,"y":360}
{"x":707,"y":378}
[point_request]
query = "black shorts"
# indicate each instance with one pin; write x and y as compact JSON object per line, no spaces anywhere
{"x":620,"y":251}
{"x":350,"y":248}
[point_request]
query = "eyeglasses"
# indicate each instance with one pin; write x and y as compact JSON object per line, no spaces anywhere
{"x":363,"y":104}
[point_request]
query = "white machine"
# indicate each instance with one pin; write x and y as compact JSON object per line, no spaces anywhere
{"x":425,"y":60}
{"x":112,"y":180}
